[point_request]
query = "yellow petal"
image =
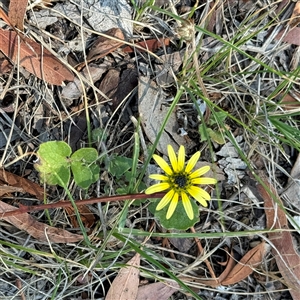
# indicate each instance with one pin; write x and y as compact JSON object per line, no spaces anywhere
{"x":159,"y":177}
{"x":165,"y":200}
{"x":181,"y":159}
{"x":187,"y":205}
{"x":173,"y":158}
{"x":199,"y":194}
{"x":199,"y":191}
{"x":200,"y":172}
{"x":204,"y":180}
{"x":159,"y":187}
{"x":163,"y":164}
{"x":192,"y":162}
{"x":172,"y":206}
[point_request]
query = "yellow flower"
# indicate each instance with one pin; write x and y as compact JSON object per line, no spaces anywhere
{"x":180,"y":181}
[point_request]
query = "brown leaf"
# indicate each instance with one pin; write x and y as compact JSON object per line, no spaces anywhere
{"x":73,"y":90}
{"x":229,"y":266}
{"x":182,"y":244}
{"x":295,"y":18}
{"x":20,"y":182}
{"x":87,"y":217}
{"x":282,"y":5}
{"x":246,"y":265}
{"x":5,"y":189}
{"x":127,"y":82}
{"x":230,"y":263}
{"x":78,"y":130}
{"x":287,"y":258}
{"x":5,"y":65}
{"x":104,"y":45}
{"x":5,"y":18}
{"x":35,"y":59}
{"x":289,"y":102}
{"x":157,"y":290}
{"x":38,"y":230}
{"x":150,"y":45}
{"x":125,"y":285}
{"x":291,"y":37}
{"x":16,"y":13}
{"x":109,"y":84}
{"x":167,"y":65}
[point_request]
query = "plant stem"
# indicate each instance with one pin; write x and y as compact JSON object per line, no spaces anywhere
{"x":63,"y":203}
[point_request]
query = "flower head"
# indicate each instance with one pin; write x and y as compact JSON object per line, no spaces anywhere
{"x":181,"y":182}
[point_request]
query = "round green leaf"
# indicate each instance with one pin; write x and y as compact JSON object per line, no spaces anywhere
{"x":54,"y":164}
{"x":98,"y":134}
{"x":87,"y":155}
{"x":179,"y":219}
{"x":84,"y":167}
{"x":118,"y":165}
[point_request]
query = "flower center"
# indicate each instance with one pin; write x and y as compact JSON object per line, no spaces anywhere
{"x":181,"y":181}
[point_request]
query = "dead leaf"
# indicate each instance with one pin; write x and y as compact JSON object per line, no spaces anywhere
{"x":289,"y":102}
{"x":287,"y":258}
{"x":104,"y":45}
{"x":291,"y":37}
{"x":73,"y":90}
{"x":150,"y":45}
{"x":5,"y":18}
{"x":153,"y":111}
{"x":16,"y":13}
{"x":125,"y":285}
{"x":246,"y":265}
{"x":128,"y":81}
{"x":233,"y":272}
{"x":87,"y":217}
{"x":167,"y":66}
{"x":282,"y":5}
{"x":292,"y":191}
{"x":34,"y":58}
{"x":295,"y":172}
{"x":157,"y":290}
{"x":5,"y":189}
{"x":230,"y":263}
{"x":5,"y":65}
{"x":109,"y":84}
{"x":295,"y":18}
{"x":118,"y":85}
{"x":78,"y":129}
{"x":38,"y":230}
{"x":20,"y":182}
{"x":182,"y":244}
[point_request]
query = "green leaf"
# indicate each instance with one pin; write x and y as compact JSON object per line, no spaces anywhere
{"x":179,"y":219}
{"x":218,"y":118}
{"x":202,"y":132}
{"x":98,"y":134}
{"x":152,"y":205}
{"x":84,"y":167}
{"x":118,"y":165}
{"x":216,"y":136}
{"x":122,"y":191}
{"x":54,"y":163}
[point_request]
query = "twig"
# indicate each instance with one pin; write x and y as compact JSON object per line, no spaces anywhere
{"x":201,"y":252}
